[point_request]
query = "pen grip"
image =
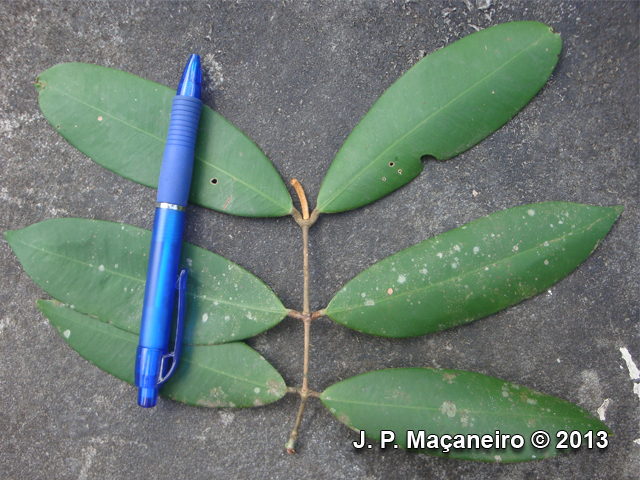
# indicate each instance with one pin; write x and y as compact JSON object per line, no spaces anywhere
{"x":177,"y":162}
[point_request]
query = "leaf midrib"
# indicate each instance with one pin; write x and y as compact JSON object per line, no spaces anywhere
{"x":259,"y":192}
{"x":416,"y":407}
{"x":402,"y":138}
{"x":467,"y":273}
{"x":124,"y":337}
{"x":89,"y":265}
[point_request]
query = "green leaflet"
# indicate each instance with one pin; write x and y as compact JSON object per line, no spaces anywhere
{"x":455,"y":402}
{"x":231,"y":375}
{"x":100,"y":268}
{"x":121,"y":122}
{"x":442,"y":106}
{"x":472,"y":271}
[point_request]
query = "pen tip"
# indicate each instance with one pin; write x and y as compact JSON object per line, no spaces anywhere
{"x":191,"y":82}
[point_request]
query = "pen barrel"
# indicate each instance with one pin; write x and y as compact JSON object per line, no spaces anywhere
{"x":177,"y":162}
{"x":162,"y":273}
{"x":157,"y":309}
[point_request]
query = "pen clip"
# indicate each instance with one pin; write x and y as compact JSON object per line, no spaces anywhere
{"x":181,"y":285}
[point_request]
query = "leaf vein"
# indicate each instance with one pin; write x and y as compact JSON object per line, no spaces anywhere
{"x":464,"y":275}
{"x":359,"y":174}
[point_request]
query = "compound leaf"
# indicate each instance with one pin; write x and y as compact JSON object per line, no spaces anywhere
{"x":121,"y":121}
{"x":230,"y":375}
{"x":472,"y":271}
{"x":418,"y":404}
{"x":100,"y":268}
{"x":442,"y":106}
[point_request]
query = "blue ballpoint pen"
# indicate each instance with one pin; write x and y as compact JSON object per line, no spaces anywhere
{"x":153,"y":364}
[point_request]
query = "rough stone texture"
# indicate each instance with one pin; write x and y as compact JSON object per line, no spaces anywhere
{"x":296,"y":76}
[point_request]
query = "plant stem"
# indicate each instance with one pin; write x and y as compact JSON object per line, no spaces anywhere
{"x":305,"y":269}
{"x":305,"y":221}
{"x":304,"y":391}
{"x":300,"y":316}
{"x":297,"y":391}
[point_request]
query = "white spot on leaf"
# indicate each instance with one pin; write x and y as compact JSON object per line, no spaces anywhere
{"x":448,"y":408}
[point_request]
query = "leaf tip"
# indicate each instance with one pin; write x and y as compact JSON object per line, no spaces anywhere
{"x":9,"y":236}
{"x":618,"y":209}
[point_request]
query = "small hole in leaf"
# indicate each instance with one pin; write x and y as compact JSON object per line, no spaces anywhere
{"x":214,"y":181}
{"x":400,"y":171}
{"x":427,"y":158}
{"x":391,"y":164}
{"x":58,"y":127}
{"x":384,"y":179}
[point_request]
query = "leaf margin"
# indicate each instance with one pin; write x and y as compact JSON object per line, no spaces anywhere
{"x":411,"y":167}
{"x":50,"y":283}
{"x":448,"y":410}
{"x":277,"y":388}
{"x":44,"y":86}
{"x":365,"y":311}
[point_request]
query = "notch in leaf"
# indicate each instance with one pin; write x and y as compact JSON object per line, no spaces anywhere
{"x":446,"y":103}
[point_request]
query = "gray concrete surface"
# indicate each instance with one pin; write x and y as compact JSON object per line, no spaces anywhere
{"x":296,"y":76}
